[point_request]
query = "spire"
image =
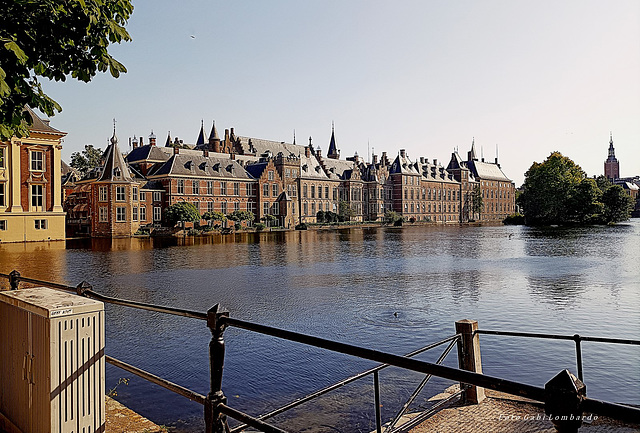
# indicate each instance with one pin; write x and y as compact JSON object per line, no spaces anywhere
{"x":471,"y":156}
{"x":168,"y":143}
{"x":612,"y":151}
{"x":200,"y":141}
{"x":214,"y":132}
{"x":333,"y":153}
{"x":114,"y":168}
{"x":294,"y":136}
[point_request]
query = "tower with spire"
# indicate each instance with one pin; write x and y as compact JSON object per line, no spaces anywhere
{"x":611,"y":165}
{"x":333,"y":153}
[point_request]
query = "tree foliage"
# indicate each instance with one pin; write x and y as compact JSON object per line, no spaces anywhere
{"x":345,"y":211}
{"x":86,"y":160}
{"x":213,"y":216}
{"x":53,"y":39}
{"x":181,"y":212}
{"x":391,"y":217}
{"x":617,"y":205}
{"x":557,"y":191}
{"x":242,"y":215}
{"x":476,"y":201}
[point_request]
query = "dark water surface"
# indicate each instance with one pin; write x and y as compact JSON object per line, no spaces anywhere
{"x":346,"y":285}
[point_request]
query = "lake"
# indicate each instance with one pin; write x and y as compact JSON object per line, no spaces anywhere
{"x":385,"y":288}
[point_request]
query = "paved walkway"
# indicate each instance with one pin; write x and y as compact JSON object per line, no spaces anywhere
{"x":121,"y":419}
{"x":502,"y":413}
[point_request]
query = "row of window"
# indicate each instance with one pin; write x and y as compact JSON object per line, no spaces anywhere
{"x":39,"y":224}
{"x":121,"y":194}
{"x":137,"y":213}
{"x":181,"y":185}
{"x":427,"y":208}
{"x":305,"y":191}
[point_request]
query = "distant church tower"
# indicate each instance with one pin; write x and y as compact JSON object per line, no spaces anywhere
{"x":611,"y":165}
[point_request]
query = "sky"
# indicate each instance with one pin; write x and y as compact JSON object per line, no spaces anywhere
{"x":521,"y":78}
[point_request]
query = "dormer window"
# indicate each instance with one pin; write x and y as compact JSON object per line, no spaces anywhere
{"x":305,"y":167}
{"x":318,"y":168}
{"x":230,"y":168}
{"x":216,"y":166}
{"x":116,"y":172}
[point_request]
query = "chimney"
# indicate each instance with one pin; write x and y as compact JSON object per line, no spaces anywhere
{"x":205,"y":153}
{"x":422,"y":160}
{"x":152,"y":138}
{"x":141,"y":141}
{"x":176,"y":150}
{"x":226,"y":135}
{"x":134,"y":142}
{"x":435,"y":162}
{"x":233,"y":156}
{"x":319,"y":152}
{"x":307,"y":152}
{"x":403,"y":153}
{"x":374,"y":159}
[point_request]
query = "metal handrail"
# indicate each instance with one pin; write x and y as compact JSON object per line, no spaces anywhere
{"x":577,"y":338}
{"x":418,"y":389}
{"x":558,"y":337}
{"x":340,"y":384}
{"x":495,"y":383}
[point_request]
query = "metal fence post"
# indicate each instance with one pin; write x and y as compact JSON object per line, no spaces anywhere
{"x":215,"y":422}
{"x":563,"y":401}
{"x":14,"y":279}
{"x":376,"y":394}
{"x":469,"y":357}
{"x":578,"y":340}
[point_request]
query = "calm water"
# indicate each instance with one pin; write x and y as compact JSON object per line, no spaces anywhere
{"x":346,"y":286}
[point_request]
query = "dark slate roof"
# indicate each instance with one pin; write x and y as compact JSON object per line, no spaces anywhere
{"x":41,"y":125}
{"x":257,"y":169}
{"x":284,"y":196}
{"x":148,"y":153}
{"x":259,"y":146}
{"x":114,"y":168}
{"x":202,"y":166}
{"x":402,"y":164}
{"x":200,"y":141}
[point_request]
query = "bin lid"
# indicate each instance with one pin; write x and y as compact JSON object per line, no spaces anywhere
{"x":50,"y":303}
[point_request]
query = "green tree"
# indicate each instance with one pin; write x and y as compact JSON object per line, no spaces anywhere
{"x":268,"y":219}
{"x":86,"y":160}
{"x":53,"y":39}
{"x":181,"y":212}
{"x":584,"y":204}
{"x":547,"y":191}
{"x":345,"y":212}
{"x":214,"y":216}
{"x":476,"y":201}
{"x":390,"y":217}
{"x":617,"y":205}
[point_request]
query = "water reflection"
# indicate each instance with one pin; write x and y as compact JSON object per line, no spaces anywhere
{"x":388,"y":288}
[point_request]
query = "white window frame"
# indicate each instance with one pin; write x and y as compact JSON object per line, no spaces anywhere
{"x":134,"y":193}
{"x":121,"y":193}
{"x":40,"y":205}
{"x":103,"y":193}
{"x":121,"y":214}
{"x":3,"y":225}
{"x":40,"y":224}
{"x":134,"y":213}
{"x":143,"y":213}
{"x":157,"y":196}
{"x":37,"y":164}
{"x":103,"y":214}
{"x":3,"y":200}
{"x":157,"y":213}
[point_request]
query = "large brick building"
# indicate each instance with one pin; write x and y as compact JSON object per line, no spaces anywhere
{"x":288,"y":181}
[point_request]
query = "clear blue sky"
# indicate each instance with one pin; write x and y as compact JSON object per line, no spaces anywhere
{"x":529,"y":76}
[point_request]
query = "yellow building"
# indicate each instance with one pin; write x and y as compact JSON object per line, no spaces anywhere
{"x":30,"y":185}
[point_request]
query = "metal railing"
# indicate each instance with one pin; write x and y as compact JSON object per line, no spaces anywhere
{"x":578,"y":339}
{"x":215,"y":405}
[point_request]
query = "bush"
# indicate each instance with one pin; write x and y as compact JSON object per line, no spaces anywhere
{"x":514,"y":219}
{"x":237,"y":226}
{"x":412,"y":220}
{"x":398,"y":222}
{"x":259,"y":226}
{"x":301,"y":226}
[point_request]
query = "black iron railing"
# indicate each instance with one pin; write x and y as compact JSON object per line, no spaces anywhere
{"x":215,"y":404}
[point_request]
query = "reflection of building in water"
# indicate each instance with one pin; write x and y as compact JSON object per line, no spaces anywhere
{"x":30,"y":187}
{"x":283,"y":182}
